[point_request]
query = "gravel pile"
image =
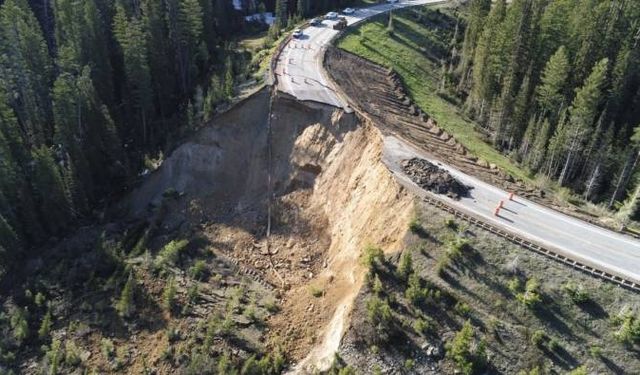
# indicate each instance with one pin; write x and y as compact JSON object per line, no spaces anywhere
{"x":430,"y":177}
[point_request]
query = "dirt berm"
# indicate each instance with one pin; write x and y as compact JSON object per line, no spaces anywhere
{"x":331,"y":197}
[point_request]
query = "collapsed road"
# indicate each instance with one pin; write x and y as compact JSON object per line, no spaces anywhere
{"x":300,"y":72}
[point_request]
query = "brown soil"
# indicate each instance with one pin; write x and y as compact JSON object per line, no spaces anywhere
{"x":430,"y":177}
{"x":331,"y":196}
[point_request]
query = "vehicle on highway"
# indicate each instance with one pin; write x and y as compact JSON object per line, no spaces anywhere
{"x":315,"y":22}
{"x":393,"y":1}
{"x":348,"y":11}
{"x":341,"y":24}
{"x":297,"y":33}
{"x":331,"y":16}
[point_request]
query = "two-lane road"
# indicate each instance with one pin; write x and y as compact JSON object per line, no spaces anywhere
{"x":300,"y":73}
{"x":299,"y":69}
{"x":583,"y":242}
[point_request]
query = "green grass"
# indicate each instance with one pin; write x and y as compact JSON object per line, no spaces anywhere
{"x":406,"y":51}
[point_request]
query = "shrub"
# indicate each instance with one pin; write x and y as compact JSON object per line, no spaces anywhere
{"x":53,"y":356}
{"x":39,"y":299}
{"x":451,"y":224}
{"x":45,"y":326}
{"x":169,"y":295}
{"x":19,"y":324}
{"x":379,"y":311}
{"x":554,"y":345}
{"x":414,"y":226}
{"x":271,"y":305}
{"x":406,"y":266}
{"x":409,"y":364}
{"x":316,"y":292}
{"x":421,"y":326}
{"x":192,"y":293}
{"x":441,"y":266}
{"x":107,"y":348}
{"x":531,"y":295}
{"x":462,"y":308}
{"x":459,"y":350}
{"x":595,"y":351}
{"x":582,"y":370}
{"x":514,"y":285}
{"x":576,"y":293}
{"x":456,"y":248}
{"x":372,"y":257}
{"x":71,"y":353}
{"x":199,"y":270}
{"x":125,"y":305}
{"x":377,"y":287}
{"x":629,"y":327}
{"x":538,"y":337}
{"x":173,"y":334}
{"x":250,"y":312}
{"x":170,"y":253}
{"x":414,"y":292}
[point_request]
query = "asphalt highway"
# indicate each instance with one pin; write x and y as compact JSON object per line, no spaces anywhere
{"x":299,"y":68}
{"x":580,"y":241}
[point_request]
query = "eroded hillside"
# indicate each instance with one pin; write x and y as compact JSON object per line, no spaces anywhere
{"x":245,"y":242}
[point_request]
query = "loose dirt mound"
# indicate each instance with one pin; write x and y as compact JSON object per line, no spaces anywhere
{"x":430,"y":177}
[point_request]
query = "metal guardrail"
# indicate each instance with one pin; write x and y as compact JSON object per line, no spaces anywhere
{"x":532,"y":245}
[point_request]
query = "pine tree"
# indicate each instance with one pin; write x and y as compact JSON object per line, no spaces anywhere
{"x":518,"y":23}
{"x":302,"y":8}
{"x":550,"y":93}
{"x":215,"y":94}
{"x":538,"y":149}
{"x":160,"y":57}
{"x":126,"y":303}
{"x":282,"y":13}
{"x":486,"y":58}
{"x":228,"y":79}
{"x":26,"y":69}
{"x":49,"y":189}
{"x":82,"y":39}
{"x":87,"y":135}
{"x":583,"y":112}
{"x":132,"y":39}
{"x":479,"y":9}
{"x":406,"y":266}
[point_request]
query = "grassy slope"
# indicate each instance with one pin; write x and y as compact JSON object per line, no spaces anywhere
{"x":403,"y":51}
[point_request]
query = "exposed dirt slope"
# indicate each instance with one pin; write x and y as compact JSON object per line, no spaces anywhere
{"x":331,"y":196}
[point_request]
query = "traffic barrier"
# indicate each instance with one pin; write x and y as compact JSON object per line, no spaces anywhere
{"x":629,"y":284}
{"x":501,"y":205}
{"x":496,"y":212}
{"x":510,"y":196}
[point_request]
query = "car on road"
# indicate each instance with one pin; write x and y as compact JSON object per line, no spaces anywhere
{"x":331,"y":16}
{"x":297,"y":33}
{"x":393,"y":1}
{"x":348,"y":11}
{"x":315,"y":22}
